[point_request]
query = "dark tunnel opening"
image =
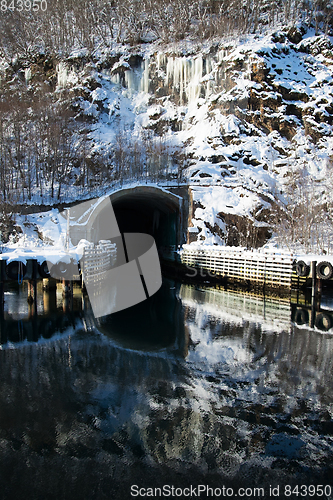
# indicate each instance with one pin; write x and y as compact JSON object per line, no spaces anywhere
{"x":149,"y":214}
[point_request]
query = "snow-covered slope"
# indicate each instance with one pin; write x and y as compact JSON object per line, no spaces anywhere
{"x":246,"y":122}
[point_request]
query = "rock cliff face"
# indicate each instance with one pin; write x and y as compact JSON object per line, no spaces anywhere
{"x":247,"y":123}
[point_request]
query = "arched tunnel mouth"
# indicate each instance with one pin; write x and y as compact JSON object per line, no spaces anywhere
{"x":150,"y":213}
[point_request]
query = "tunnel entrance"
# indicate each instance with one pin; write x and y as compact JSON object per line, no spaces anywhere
{"x":149,"y":210}
{"x":142,"y":209}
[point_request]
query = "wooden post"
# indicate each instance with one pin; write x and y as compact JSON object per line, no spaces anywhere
{"x":67,"y":294}
{"x":2,"y":287}
{"x":32,"y":297}
{"x":314,"y":280}
{"x":30,"y":292}
{"x":32,"y":300}
{"x":66,"y":288}
{"x":34,"y":285}
{"x":49,"y":284}
{"x":319,"y":291}
{"x":49,"y":300}
{"x":313,"y":292}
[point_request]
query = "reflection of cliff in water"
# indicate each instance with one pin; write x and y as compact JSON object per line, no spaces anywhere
{"x":248,"y":403}
{"x":237,"y":333}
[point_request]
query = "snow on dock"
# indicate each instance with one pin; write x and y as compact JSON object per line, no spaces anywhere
{"x":260,"y":266}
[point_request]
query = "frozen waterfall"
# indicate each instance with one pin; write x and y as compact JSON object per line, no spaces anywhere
{"x":185,"y":78}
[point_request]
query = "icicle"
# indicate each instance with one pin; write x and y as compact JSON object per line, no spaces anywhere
{"x":130,"y":81}
{"x":185,"y":77}
{"x":194,"y":86}
{"x":134,"y":80}
{"x":27,"y":75}
{"x":64,"y":74}
{"x":144,"y":85}
{"x":115,"y":78}
{"x":161,"y":60}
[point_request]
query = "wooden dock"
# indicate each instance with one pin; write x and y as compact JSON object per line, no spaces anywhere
{"x":265,"y":270}
{"x":237,"y":264}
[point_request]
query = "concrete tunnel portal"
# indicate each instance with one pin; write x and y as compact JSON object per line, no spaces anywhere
{"x":145,"y":209}
{"x":150,"y":211}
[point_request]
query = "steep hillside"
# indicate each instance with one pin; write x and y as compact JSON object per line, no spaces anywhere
{"x":246,"y":122}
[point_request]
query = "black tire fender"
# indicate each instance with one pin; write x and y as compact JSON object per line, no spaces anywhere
{"x":16,"y":270}
{"x":43,"y":270}
{"x":301,"y":317}
{"x":324,"y":270}
{"x":323,"y":322}
{"x":302,"y":269}
{"x":64,"y":270}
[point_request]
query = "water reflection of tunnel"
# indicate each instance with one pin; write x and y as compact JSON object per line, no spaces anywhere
{"x":148,"y":210}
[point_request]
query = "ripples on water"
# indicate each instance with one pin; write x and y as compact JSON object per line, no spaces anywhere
{"x":191,"y":387}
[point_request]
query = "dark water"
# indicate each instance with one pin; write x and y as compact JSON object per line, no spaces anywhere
{"x":193,"y":387}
